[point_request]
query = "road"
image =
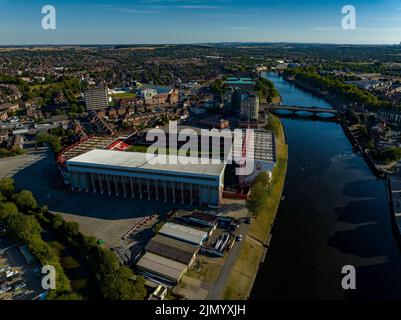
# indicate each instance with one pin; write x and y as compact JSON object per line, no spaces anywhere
{"x":218,"y":290}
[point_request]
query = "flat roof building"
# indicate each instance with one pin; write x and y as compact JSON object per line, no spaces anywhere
{"x":134,"y":174}
{"x":184,"y":233}
{"x":173,"y":249}
{"x":160,"y":268}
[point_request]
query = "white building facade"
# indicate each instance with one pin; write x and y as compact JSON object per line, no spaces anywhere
{"x":129,"y":174}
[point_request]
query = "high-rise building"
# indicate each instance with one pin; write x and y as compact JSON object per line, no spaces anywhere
{"x":96,"y":98}
{"x":250,"y":107}
{"x":236,"y":99}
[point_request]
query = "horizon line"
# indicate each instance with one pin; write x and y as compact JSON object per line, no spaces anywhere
{"x":195,"y":43}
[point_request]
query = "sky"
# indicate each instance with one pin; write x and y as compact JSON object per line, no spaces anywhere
{"x":199,"y":21}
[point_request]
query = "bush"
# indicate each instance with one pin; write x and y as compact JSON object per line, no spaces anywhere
{"x":25,"y":200}
{"x":7,"y":186}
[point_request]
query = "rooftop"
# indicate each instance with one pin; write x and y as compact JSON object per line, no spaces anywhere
{"x":264,"y":145}
{"x":172,"y":249}
{"x":131,"y":161}
{"x":184,"y":233}
{"x":240,"y":81}
{"x":161,"y":266}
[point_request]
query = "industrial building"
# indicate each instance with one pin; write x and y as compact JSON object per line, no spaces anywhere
{"x":184,"y":233}
{"x":173,"y":249}
{"x":132,"y":174}
{"x":161,"y":269}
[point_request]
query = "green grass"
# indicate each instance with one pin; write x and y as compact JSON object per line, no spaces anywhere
{"x":40,"y":87}
{"x":123,"y":95}
{"x":240,"y":281}
{"x":209,"y":271}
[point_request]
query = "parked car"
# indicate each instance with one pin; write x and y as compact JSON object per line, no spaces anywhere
{"x":239,"y":238}
{"x":20,"y":285}
{"x":248,"y":220}
{"x":4,"y":289}
{"x":11,"y":273}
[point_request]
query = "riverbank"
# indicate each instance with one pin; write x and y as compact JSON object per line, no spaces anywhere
{"x":335,"y":103}
{"x":352,"y":139}
{"x":254,"y":248}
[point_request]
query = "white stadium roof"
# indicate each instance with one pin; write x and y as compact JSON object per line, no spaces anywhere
{"x":137,"y":160}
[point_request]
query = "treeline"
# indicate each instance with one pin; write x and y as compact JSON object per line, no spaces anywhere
{"x":53,"y":140}
{"x":260,"y":190}
{"x":17,"y":212}
{"x":47,"y":92}
{"x":347,"y":93}
{"x":266,"y":89}
{"x":4,"y":152}
{"x":26,"y":220}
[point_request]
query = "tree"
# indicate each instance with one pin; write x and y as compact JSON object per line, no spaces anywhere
{"x":25,"y":200}
{"x":7,"y":209}
{"x":69,"y":297}
{"x":390,"y":154}
{"x":256,"y":198}
{"x":352,"y":116}
{"x":71,"y":229}
{"x":363,"y":131}
{"x":7,"y":186}
{"x":57,"y":221}
{"x":123,"y":285}
{"x":24,"y":227}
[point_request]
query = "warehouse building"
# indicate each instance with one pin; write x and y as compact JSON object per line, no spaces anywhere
{"x":173,"y":249}
{"x":184,"y":233}
{"x":131,"y":174}
{"x":161,"y":269}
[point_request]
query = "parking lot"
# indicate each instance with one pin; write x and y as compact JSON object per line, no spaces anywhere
{"x":107,"y":218}
{"x":18,"y":281}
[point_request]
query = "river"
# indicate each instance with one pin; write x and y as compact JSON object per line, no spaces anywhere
{"x":334,"y":213}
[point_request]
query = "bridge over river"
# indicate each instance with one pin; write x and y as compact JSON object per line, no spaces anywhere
{"x":315,"y":111}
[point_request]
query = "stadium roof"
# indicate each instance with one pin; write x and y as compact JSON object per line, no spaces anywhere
{"x":133,"y":161}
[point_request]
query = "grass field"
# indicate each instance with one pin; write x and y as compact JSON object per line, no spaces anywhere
{"x":123,"y":95}
{"x":240,"y":281}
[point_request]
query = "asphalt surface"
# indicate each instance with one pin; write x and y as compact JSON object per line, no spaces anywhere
{"x":218,"y":290}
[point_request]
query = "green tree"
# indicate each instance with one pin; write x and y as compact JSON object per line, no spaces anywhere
{"x":25,"y":200}
{"x":7,"y":186}
{"x":24,"y":227}
{"x":123,"y":285}
{"x":7,"y":209}
{"x":391,"y":154}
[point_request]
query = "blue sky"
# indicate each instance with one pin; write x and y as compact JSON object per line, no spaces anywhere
{"x":195,"y":21}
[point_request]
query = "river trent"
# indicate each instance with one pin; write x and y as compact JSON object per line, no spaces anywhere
{"x":334,"y":213}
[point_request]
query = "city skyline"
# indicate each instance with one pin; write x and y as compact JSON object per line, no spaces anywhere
{"x":199,"y":21}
